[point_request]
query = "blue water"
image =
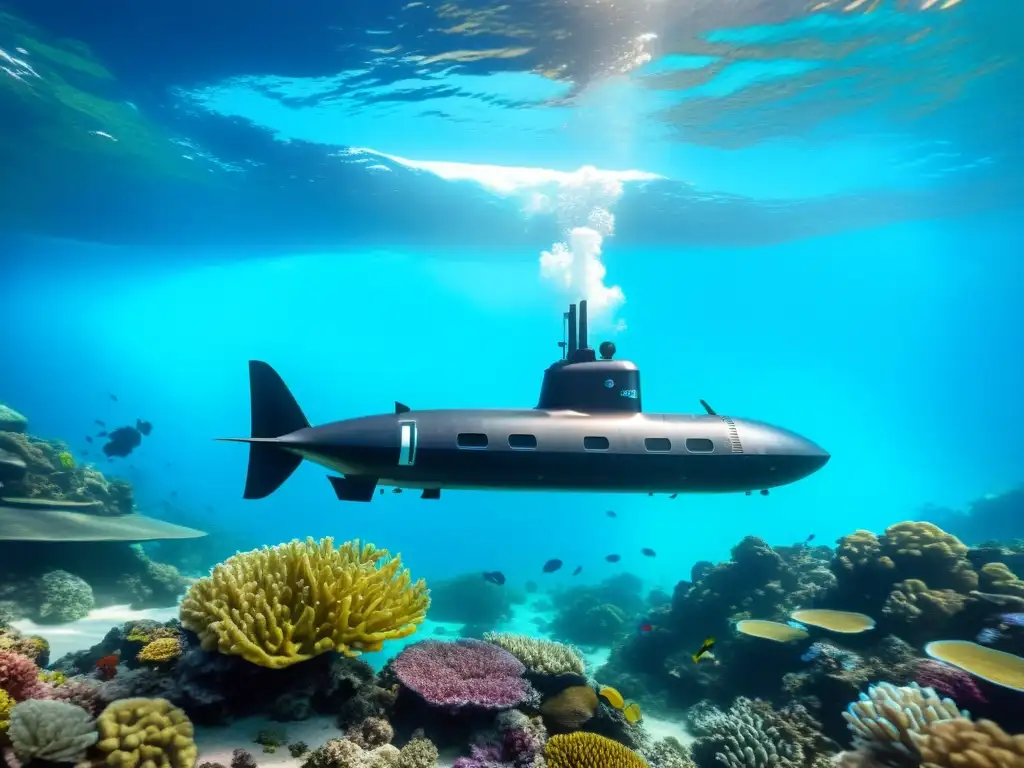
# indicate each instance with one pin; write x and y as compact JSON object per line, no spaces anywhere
{"x":840,"y":257}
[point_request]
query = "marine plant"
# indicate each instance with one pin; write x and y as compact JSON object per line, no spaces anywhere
{"x":278,"y":606}
{"x":463,"y":673}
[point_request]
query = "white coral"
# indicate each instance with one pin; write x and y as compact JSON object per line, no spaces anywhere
{"x":51,"y":730}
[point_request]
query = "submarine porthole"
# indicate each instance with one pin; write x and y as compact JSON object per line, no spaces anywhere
{"x":596,"y":443}
{"x":471,"y":440}
{"x":657,"y":444}
{"x":700,"y":445}
{"x":522,"y":442}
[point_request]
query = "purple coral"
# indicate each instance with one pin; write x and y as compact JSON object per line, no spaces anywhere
{"x":949,"y":681}
{"x":463,"y":673}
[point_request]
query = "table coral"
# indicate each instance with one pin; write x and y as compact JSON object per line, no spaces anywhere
{"x":278,"y":606}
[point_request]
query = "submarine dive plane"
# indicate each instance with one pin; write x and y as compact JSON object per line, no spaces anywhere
{"x":587,"y":433}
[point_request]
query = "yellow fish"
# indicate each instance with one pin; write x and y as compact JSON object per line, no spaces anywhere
{"x":632,"y":713}
{"x":612,"y":696}
{"x":705,"y":649}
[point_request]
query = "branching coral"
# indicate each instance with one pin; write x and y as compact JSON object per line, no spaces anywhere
{"x":278,"y":606}
{"x":146,"y":733}
{"x":463,"y":673}
{"x":747,"y":736}
{"x":160,"y":651}
{"x":962,"y":743}
{"x":52,"y":731}
{"x":588,"y":750}
{"x":19,"y":677}
{"x":884,"y":719}
{"x":542,"y":657}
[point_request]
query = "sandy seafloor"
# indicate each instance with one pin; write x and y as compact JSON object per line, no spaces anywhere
{"x":216,"y":744}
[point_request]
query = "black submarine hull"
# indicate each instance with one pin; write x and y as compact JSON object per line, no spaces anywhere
{"x":525,"y":450}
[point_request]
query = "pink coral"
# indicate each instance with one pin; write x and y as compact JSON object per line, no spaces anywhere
{"x":81,"y":692}
{"x":949,"y":681}
{"x":464,"y":673}
{"x":19,"y":676}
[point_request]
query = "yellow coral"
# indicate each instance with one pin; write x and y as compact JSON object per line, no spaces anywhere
{"x":913,"y":601}
{"x":6,"y":705}
{"x":999,"y":579}
{"x":997,"y":667}
{"x":160,"y":651}
{"x":144,"y":733}
{"x":860,"y":549}
{"x":965,"y":744}
{"x":588,"y":750}
{"x":278,"y":606}
{"x":53,"y":677}
{"x":919,"y":546}
{"x":570,"y":709}
{"x":143,"y":634}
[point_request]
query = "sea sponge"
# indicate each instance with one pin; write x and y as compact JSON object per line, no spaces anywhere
{"x":999,"y":579}
{"x":541,"y":657}
{"x":54,"y":731}
{"x":160,"y":651}
{"x":588,"y":750}
{"x":144,"y":733}
{"x":571,"y":708}
{"x":884,"y":718}
{"x":967,"y":744}
{"x":913,"y":602}
{"x":997,"y":667}
{"x":278,"y":606}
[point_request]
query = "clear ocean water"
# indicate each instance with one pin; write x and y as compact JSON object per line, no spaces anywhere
{"x":807,"y":215}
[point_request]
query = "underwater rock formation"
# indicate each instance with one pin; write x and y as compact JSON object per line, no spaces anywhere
{"x":470,"y":600}
{"x":599,"y":614}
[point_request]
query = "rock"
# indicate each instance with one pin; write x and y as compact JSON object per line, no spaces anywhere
{"x":11,"y":420}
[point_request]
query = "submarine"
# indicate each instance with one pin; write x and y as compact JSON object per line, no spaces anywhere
{"x":588,"y":432}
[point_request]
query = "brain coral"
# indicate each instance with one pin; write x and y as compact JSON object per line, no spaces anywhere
{"x":588,"y":750}
{"x":278,"y":606}
{"x":146,"y":733}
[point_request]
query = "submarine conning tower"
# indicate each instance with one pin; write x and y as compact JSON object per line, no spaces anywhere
{"x":582,"y":382}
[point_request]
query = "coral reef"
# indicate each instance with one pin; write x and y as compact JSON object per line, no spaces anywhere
{"x":282,"y":605}
{"x":464,"y":673}
{"x":469,"y":600}
{"x":52,"y":731}
{"x":540,"y":656}
{"x":151,"y":732}
{"x":957,"y":743}
{"x":600,"y":614}
{"x":588,"y":750}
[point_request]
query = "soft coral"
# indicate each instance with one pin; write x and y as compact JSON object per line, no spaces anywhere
{"x":19,"y":676}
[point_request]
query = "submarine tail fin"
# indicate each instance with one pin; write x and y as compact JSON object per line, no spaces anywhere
{"x":275,"y":413}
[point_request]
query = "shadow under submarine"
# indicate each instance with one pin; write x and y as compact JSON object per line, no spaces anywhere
{"x":587,"y":433}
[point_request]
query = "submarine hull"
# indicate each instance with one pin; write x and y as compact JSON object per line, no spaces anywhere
{"x":558,"y":451}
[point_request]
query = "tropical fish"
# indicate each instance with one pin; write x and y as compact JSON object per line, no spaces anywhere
{"x":610,"y":513}
{"x":674,"y":495}
{"x":612,"y":696}
{"x":705,"y":648}
{"x":88,"y":439}
{"x":113,"y":397}
{"x":809,"y":539}
{"x":396,"y":490}
{"x":100,"y":422}
{"x":645,"y":627}
{"x":577,"y":571}
{"x":612,"y":558}
{"x":632,"y":713}
{"x":101,"y":434}
{"x":494,"y":577}
{"x":648,"y":552}
{"x":552,"y":565}
{"x":122,"y":441}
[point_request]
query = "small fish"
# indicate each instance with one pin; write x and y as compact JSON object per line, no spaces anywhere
{"x":988,"y":636}
{"x":648,"y":552}
{"x":611,"y":513}
{"x":809,"y":539}
{"x":552,"y":565}
{"x":381,"y":493}
{"x":645,"y":627}
{"x":650,"y":494}
{"x":612,"y":558}
{"x":101,"y":434}
{"x":577,"y":571}
{"x":674,"y":495}
{"x":708,"y":644}
{"x":632,"y":713}
{"x":396,"y":490}
{"x":112,"y":396}
{"x":145,"y":427}
{"x":612,"y":696}
{"x":494,"y":577}
{"x":88,"y":439}
{"x":100,"y":422}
